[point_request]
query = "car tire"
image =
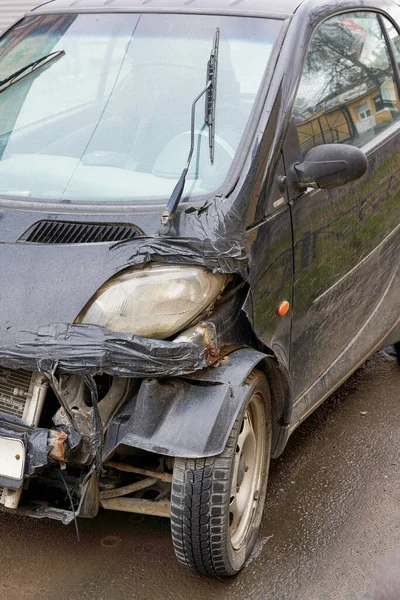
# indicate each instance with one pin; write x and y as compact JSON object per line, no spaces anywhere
{"x":217,"y":503}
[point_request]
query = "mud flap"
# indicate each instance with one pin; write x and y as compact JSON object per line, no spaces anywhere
{"x":185,"y":417}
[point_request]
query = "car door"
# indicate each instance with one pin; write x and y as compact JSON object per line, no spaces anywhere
{"x":346,"y":240}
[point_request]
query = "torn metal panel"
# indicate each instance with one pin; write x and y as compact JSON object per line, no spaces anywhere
{"x":58,"y":445}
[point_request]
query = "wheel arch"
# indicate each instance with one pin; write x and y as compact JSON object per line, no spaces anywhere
{"x":239,"y":364}
{"x":281,"y":401}
{"x":192,"y":416}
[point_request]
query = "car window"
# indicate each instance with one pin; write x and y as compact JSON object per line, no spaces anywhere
{"x":348,"y":91}
{"x":395,"y":38}
{"x":109,"y":120}
{"x":80,"y":69}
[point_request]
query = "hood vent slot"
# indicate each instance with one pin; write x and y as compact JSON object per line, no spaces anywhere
{"x":66,"y":232}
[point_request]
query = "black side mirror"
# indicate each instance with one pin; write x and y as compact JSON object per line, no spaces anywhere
{"x":331,"y":165}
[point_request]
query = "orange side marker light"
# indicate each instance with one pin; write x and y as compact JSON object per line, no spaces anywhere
{"x":282,"y":308}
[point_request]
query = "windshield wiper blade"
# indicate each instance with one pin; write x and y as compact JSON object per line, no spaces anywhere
{"x":31,"y":68}
{"x":211,"y":91}
{"x":211,"y":97}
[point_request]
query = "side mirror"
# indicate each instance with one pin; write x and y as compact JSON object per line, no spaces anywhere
{"x":331,"y":165}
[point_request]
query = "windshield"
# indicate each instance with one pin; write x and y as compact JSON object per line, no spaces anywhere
{"x":109,"y":121}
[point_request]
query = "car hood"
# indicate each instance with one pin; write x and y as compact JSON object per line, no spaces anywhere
{"x":47,"y":283}
{"x":43,"y":284}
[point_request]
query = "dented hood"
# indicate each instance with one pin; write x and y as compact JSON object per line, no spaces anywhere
{"x":46,"y":285}
{"x":50,"y":283}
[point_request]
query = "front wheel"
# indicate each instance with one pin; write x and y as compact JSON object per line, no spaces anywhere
{"x":217,"y":503}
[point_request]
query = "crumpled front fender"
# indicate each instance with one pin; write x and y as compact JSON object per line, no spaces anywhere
{"x":190,"y":417}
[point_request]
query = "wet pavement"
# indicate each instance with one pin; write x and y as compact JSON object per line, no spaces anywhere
{"x":332,"y":516}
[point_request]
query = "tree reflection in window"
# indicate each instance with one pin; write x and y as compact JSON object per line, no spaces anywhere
{"x":348,"y":93}
{"x":394,"y":37}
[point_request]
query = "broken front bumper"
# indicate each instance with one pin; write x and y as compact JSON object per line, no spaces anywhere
{"x":89,"y":349}
{"x":62,"y":360}
{"x":173,"y":406}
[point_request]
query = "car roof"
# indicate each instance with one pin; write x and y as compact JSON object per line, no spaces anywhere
{"x":278,"y":8}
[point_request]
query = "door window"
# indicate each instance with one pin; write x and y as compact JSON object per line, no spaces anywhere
{"x":348,"y":91}
{"x":395,"y":38}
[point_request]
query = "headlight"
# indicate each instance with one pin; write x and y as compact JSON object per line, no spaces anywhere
{"x":155,"y":302}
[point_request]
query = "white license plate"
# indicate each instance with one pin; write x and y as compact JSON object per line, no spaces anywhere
{"x":12,"y":458}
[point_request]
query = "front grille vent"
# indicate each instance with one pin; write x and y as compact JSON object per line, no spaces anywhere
{"x":66,"y":232}
{"x":15,"y":391}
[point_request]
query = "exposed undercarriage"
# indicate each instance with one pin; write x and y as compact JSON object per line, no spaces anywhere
{"x":65,"y":421}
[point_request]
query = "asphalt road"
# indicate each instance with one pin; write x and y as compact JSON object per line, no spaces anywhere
{"x":332,"y":517}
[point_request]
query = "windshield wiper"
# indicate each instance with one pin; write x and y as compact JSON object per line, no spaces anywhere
{"x":211,"y":97}
{"x":211,"y":91}
{"x":30,"y":68}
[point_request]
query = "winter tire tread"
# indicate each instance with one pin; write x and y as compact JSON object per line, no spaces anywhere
{"x":199,"y":501}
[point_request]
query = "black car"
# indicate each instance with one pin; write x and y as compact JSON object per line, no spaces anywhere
{"x":199,"y":242}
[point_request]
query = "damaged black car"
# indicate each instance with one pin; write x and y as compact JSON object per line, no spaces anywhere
{"x":199,"y":242}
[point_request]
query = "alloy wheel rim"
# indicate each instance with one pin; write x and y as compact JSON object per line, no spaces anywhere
{"x":247,"y":472}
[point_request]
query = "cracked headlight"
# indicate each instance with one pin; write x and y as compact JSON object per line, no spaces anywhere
{"x":154,"y":302}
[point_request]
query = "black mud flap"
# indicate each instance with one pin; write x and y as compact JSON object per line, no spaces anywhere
{"x":185,"y":417}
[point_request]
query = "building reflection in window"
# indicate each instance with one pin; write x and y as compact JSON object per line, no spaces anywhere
{"x":348,"y":92}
